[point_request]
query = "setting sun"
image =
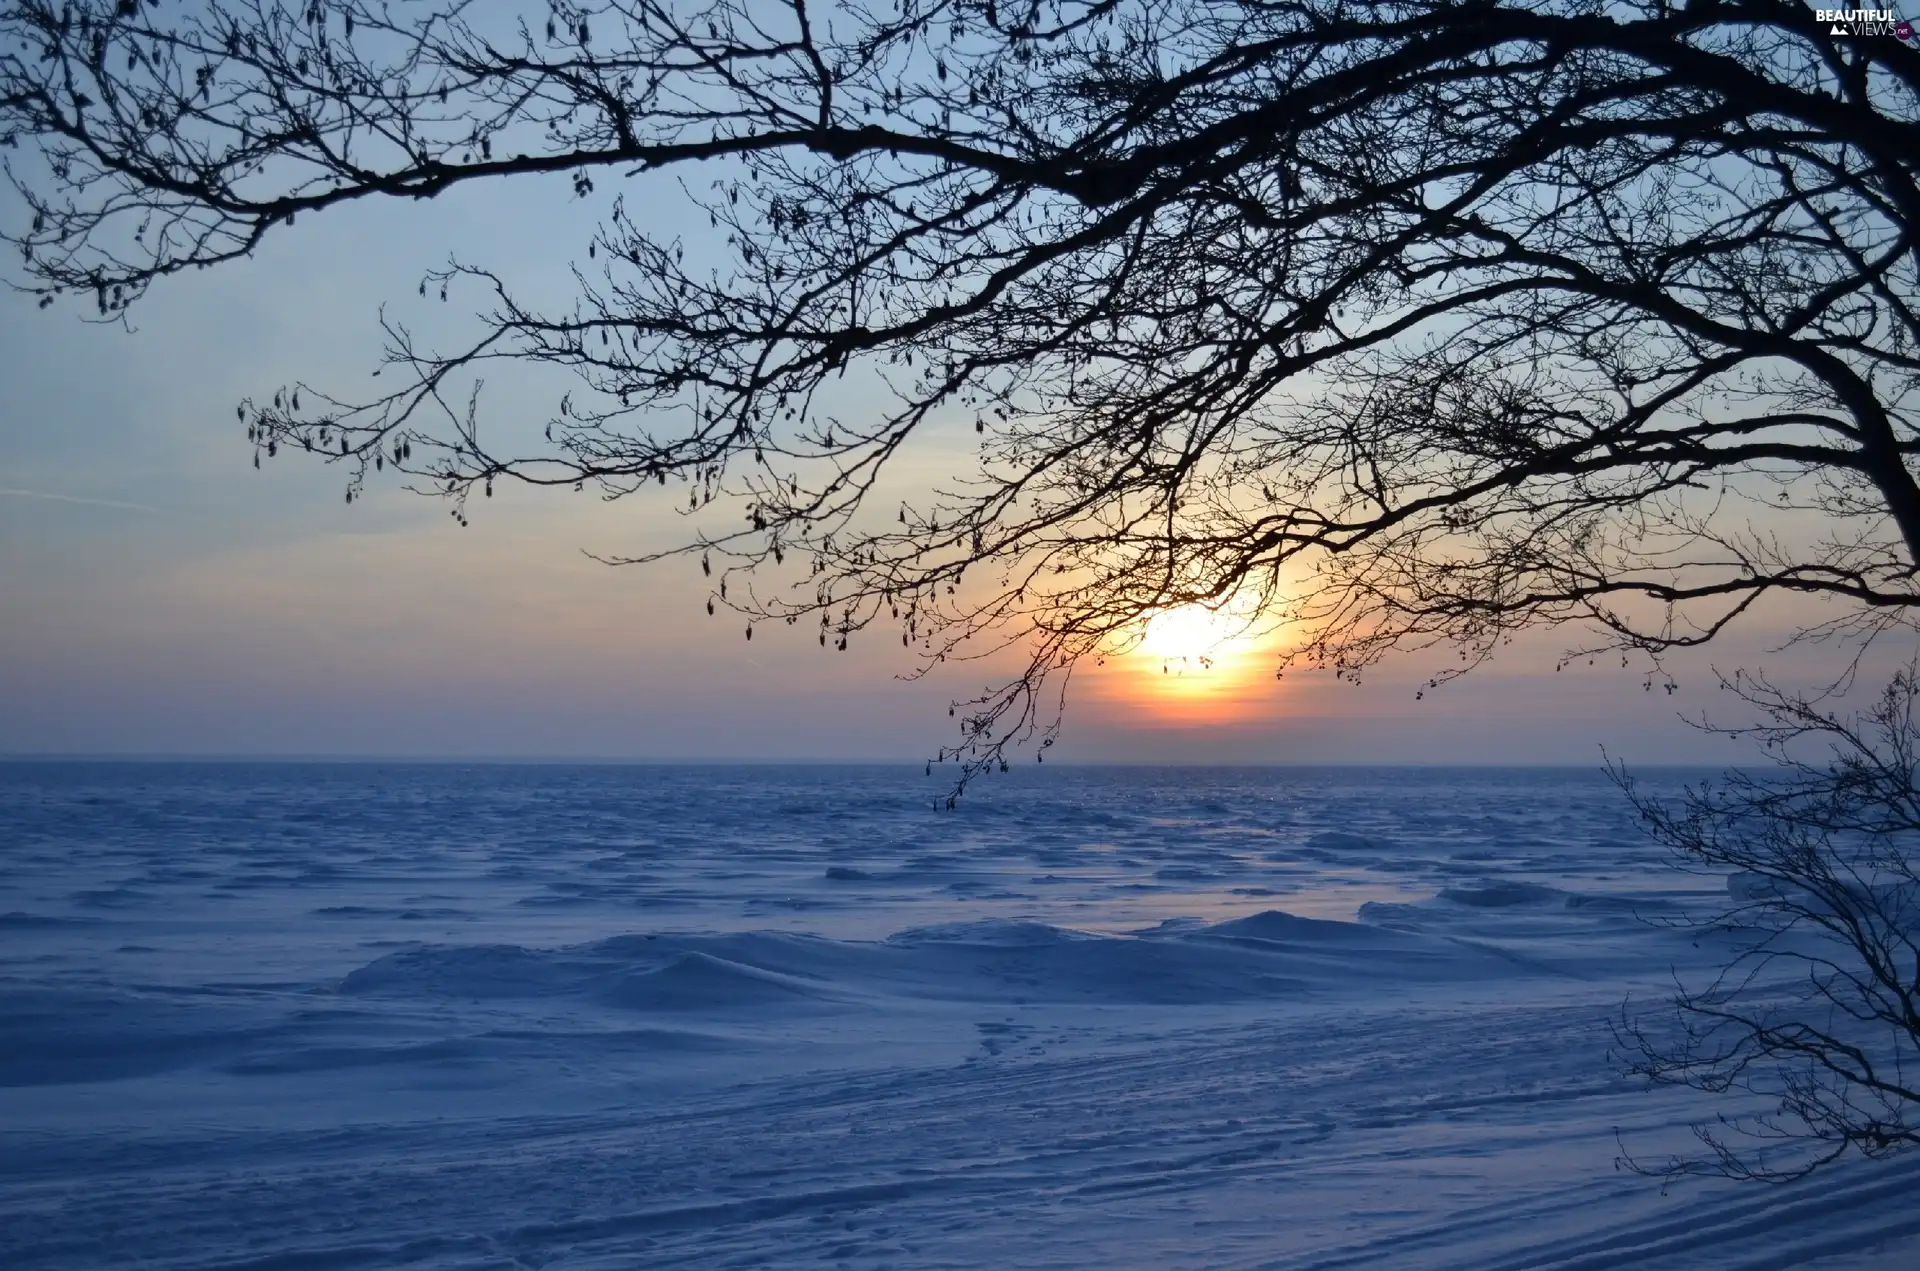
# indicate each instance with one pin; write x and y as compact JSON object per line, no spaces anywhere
{"x":1193,"y":637}
{"x":1192,"y":665}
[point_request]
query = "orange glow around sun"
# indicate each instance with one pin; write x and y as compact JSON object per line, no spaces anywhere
{"x":1193,"y":636}
{"x":1195,"y":665}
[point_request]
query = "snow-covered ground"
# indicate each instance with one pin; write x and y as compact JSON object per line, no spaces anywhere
{"x":282,"y":1017}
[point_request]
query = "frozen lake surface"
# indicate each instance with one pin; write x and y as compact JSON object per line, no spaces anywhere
{"x":285,"y":1017}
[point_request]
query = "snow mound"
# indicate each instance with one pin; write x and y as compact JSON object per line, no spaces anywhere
{"x":995,"y":932}
{"x":1744,"y":885}
{"x":1278,"y":925}
{"x":15,"y":918}
{"x":470,"y":971}
{"x":1502,"y":894}
{"x":1348,"y":841}
{"x":64,"y":1036}
{"x":1607,"y":903}
{"x":700,"y":981}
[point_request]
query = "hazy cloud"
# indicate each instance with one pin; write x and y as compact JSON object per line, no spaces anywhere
{"x":51,"y":497}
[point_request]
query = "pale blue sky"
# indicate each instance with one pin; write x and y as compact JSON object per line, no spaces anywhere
{"x":160,"y":597}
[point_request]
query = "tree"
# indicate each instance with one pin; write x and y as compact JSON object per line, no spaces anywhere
{"x":1402,"y":323}
{"x":1817,"y":1011}
{"x":1405,"y":324}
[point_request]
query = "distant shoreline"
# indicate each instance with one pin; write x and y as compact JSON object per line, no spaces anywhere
{"x":594,"y":761}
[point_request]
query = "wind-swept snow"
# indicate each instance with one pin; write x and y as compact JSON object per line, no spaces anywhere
{"x":277,"y":1018}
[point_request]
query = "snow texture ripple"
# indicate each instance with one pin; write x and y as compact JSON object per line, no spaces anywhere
{"x":282,"y":1017}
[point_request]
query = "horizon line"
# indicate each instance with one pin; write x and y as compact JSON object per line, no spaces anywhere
{"x":692,"y":761}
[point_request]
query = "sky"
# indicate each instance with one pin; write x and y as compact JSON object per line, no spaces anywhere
{"x":158,"y":597}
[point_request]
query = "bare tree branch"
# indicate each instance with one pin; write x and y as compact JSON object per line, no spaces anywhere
{"x":1404,"y":324}
{"x":1818,"y":1010}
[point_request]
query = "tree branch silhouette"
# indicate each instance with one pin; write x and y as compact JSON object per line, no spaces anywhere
{"x":1406,"y":324}
{"x":1818,"y":1010}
